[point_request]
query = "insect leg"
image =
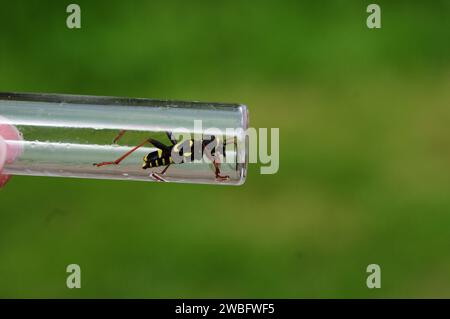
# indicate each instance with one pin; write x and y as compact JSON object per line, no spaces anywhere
{"x":158,"y":176}
{"x":164,"y":170}
{"x":120,"y":159}
{"x":216,"y":163}
{"x":230,"y":140}
{"x":217,"y":171}
{"x":119,"y":136}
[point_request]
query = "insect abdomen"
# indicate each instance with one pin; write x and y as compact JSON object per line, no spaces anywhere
{"x":160,"y":161}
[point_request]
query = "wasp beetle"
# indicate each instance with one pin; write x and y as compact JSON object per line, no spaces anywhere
{"x":176,"y":153}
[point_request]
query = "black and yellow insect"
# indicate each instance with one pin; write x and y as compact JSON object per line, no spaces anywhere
{"x":176,"y":153}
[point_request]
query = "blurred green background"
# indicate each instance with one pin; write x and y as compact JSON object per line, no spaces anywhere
{"x":365,"y":151}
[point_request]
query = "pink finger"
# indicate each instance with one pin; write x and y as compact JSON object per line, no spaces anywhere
{"x":8,"y":151}
{"x":3,"y":178}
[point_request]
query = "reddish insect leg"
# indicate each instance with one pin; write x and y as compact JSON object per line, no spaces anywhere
{"x":216,"y":163}
{"x":217,"y":171}
{"x":164,"y":170}
{"x":158,"y":177}
{"x":119,"y":136}
{"x":120,"y":159}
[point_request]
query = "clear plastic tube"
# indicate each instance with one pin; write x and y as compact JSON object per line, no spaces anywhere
{"x":114,"y":138}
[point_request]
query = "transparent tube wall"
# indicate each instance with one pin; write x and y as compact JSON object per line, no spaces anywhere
{"x":65,"y":135}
